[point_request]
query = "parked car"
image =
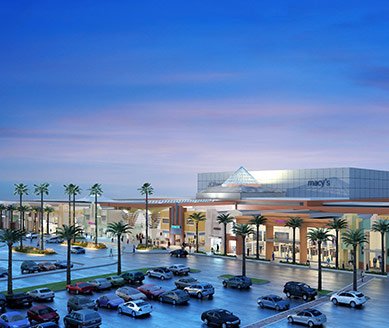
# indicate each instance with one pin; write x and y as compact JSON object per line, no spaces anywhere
{"x":77,"y":250}
{"x":351,"y":298}
{"x":76,"y":303}
{"x":237,"y":282}
{"x":179,"y":269}
{"x":54,"y":240}
{"x":130,"y":294}
{"x":41,"y":294}
{"x":46,"y":266}
{"x":179,"y":253}
{"x":109,"y":301}
{"x":220,"y":318}
{"x":309,"y":317}
{"x":82,"y":318}
{"x":135,"y":308}
{"x":13,"y":319}
{"x":47,"y":325}
{"x":3,"y":303}
{"x":273,"y":302}
{"x":42,"y":313}
{"x":18,"y":299}
{"x":62,"y":264}
{"x":116,"y":281}
{"x":32,"y":235}
{"x":299,"y":289}
{"x":200,"y":290}
{"x":175,"y":296}
{"x":161,"y":273}
{"x":80,"y":288}
{"x":29,"y":267}
{"x":151,"y":291}
{"x":133,"y":277}
{"x":3,"y":272}
{"x":185,"y":282}
{"x":100,"y":284}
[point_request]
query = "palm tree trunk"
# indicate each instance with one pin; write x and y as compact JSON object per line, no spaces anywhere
{"x":48,"y":223}
{"x":1,"y":219}
{"x":9,"y":280}
{"x":257,"y":242}
{"x":294,"y":247}
{"x":70,"y":209}
{"x":337,"y":249}
{"x":383,"y":252}
{"x":68,"y":278}
{"x":74,"y":209}
{"x":225,"y":239}
{"x":42,"y":245}
{"x":244,"y":256}
{"x":96,"y":220}
{"x":147,"y":219}
{"x":119,"y":257}
{"x":355,"y":287}
{"x":319,"y":286}
{"x":197,"y":237}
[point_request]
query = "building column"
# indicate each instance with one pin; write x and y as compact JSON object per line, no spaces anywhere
{"x":269,"y":241}
{"x":303,"y":243}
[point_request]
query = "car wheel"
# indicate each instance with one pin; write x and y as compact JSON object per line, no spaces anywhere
{"x":305,"y":297}
{"x":174,"y":302}
{"x":239,"y":286}
{"x":98,"y":304}
{"x":311,"y":324}
{"x":133,"y":314}
{"x":210,"y":297}
{"x":224,"y":284}
{"x":353,"y":304}
{"x":109,"y":306}
{"x":161,"y":299}
{"x":162,"y":278}
{"x":69,"y":310}
{"x":77,"y":292}
{"x":199,"y":295}
{"x":148,"y":273}
{"x":260,"y":304}
{"x":120,"y":310}
{"x":288,"y":294}
{"x":290,"y":320}
{"x":277,"y":308}
{"x":334,"y":301}
{"x":206,"y":322}
{"x":224,"y":325}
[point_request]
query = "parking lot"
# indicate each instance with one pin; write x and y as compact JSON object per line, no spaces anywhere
{"x":242,"y":303}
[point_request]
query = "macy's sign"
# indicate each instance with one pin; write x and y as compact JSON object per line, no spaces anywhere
{"x":319,"y":183}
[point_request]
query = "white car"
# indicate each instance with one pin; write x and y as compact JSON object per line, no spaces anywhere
{"x":130,"y":294}
{"x":42,"y":294}
{"x":179,"y":269}
{"x":161,"y":273}
{"x":351,"y":298}
{"x":135,"y":308}
{"x":54,"y":240}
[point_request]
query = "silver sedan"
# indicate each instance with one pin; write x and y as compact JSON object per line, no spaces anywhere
{"x":309,"y":317}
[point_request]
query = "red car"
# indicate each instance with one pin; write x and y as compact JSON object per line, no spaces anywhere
{"x":151,"y":291}
{"x":80,"y":288}
{"x":42,"y":313}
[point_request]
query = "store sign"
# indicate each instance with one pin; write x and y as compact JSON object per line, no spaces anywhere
{"x":319,"y":183}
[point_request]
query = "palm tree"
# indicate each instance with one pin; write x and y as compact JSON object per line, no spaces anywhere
{"x":337,"y":224}
{"x":257,"y":221}
{"x":48,"y":210}
{"x":319,"y":235}
{"x":96,"y":191}
{"x":22,"y":210}
{"x":117,"y":229}
{"x":2,"y":209}
{"x":354,"y":238}
{"x":11,"y":208}
{"x":197,"y":217}
{"x":146,"y":190}
{"x":381,"y":226}
{"x":76,"y":191}
{"x":10,"y":236}
{"x":243,"y":230}
{"x":41,"y":190}
{"x":69,"y":191}
{"x":21,"y":189}
{"x":294,"y":223}
{"x":225,"y":219}
{"x":68,"y":233}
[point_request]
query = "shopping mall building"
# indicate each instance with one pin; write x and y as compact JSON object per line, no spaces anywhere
{"x":361,"y":196}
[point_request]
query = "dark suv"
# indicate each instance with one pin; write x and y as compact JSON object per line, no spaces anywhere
{"x":237,"y":282}
{"x":299,"y":289}
{"x":82,"y":318}
{"x":81,"y":302}
{"x":29,"y":267}
{"x":18,"y":299}
{"x":133,"y":277}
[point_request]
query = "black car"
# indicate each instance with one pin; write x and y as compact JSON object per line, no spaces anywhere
{"x":237,"y":282}
{"x":29,"y":267}
{"x":133,"y":277}
{"x":3,"y":302}
{"x":220,"y":318}
{"x":299,"y":289}
{"x":82,"y":318}
{"x":179,"y":253}
{"x":18,"y":299}
{"x":81,"y":302}
{"x":62,"y":264}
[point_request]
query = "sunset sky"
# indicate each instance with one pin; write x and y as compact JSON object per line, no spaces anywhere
{"x":126,"y":92}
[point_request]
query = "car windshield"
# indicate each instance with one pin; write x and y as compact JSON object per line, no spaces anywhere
{"x":315,"y":313}
{"x":277,"y":298}
{"x":189,"y":280}
{"x":225,"y":312}
{"x":305,"y":286}
{"x":359,"y":295}
{"x":207,"y":286}
{"x":15,"y":317}
{"x":91,"y":316}
{"x":83,"y":285}
{"x":114,"y":277}
{"x":45,"y":290}
{"x":132,"y":291}
{"x":84,"y":301}
{"x":112,"y":297}
{"x":142,"y":303}
{"x":45,"y":311}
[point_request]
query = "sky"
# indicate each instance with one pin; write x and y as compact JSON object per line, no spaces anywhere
{"x":126,"y":92}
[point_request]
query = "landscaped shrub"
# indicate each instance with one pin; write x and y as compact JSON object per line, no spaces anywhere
{"x":143,"y":247}
{"x":87,"y":244}
{"x":34,"y":250}
{"x":290,"y":262}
